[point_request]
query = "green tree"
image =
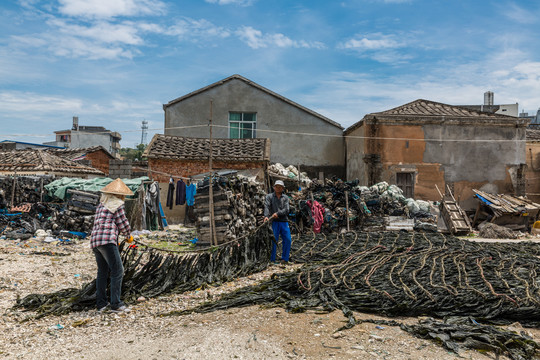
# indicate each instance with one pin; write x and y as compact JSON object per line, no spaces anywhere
{"x":133,"y":154}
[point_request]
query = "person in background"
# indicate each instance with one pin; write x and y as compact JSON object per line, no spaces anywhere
{"x":110,"y":222}
{"x":276,"y":208}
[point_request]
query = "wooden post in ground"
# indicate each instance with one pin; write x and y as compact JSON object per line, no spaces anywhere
{"x":13,"y":189}
{"x":347,"y":208}
{"x":211,"y":188}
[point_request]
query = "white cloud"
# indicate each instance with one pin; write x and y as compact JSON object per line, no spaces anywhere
{"x":519,"y":14}
{"x":377,"y":42}
{"x":229,"y":2}
{"x":103,"y":32}
{"x":32,"y":103}
{"x":110,"y":8}
{"x":255,"y":39}
{"x":196,"y":29}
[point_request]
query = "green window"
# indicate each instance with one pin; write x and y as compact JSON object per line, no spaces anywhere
{"x":242,"y":125}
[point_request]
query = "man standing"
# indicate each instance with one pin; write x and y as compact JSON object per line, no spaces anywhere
{"x":276,"y":208}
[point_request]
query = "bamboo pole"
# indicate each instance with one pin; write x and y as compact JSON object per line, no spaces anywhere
{"x":211,"y":189}
{"x":347,"y":208}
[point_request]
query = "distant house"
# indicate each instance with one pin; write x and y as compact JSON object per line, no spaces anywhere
{"x":95,"y":156}
{"x":242,"y":109}
{"x":490,"y":106}
{"x":18,"y":145}
{"x":179,"y":157}
{"x":424,"y":144}
{"x":41,"y":162}
{"x":87,"y":136}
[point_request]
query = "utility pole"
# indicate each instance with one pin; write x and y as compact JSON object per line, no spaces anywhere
{"x":211,"y":189}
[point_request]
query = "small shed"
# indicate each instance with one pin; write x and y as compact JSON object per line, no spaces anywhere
{"x":178,"y":157}
{"x":513,"y":212}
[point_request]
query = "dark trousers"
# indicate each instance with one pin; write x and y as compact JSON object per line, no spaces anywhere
{"x":108,"y":262}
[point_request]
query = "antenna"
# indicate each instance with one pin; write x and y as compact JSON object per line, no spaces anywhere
{"x":144,"y":133}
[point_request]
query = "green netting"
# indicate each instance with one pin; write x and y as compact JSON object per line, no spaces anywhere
{"x":58,"y":188}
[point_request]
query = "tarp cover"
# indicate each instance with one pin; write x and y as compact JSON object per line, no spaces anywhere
{"x":58,"y":188}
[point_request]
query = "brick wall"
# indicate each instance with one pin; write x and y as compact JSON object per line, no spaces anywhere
{"x":99,"y":160}
{"x":187,"y":168}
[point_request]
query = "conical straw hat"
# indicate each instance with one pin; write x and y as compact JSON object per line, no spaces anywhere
{"x":117,"y":187}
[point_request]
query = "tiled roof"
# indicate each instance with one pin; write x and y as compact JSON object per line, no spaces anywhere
{"x":251,"y":83}
{"x":423,"y":107}
{"x":184,"y":148}
{"x":33,"y":160}
{"x":74,"y":153}
{"x":532,"y":135}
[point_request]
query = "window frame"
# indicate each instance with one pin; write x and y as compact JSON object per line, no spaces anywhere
{"x":240,"y":123}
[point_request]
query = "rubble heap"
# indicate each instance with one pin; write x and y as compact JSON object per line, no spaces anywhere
{"x":367,"y":205}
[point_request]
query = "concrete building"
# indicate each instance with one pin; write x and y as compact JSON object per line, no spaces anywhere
{"x":18,"y":145}
{"x":424,"y":143}
{"x":489,"y":106}
{"x":86,"y":137}
{"x":534,"y":119}
{"x":243,"y":109}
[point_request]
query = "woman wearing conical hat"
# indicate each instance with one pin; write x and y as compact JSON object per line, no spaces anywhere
{"x":110,"y":222}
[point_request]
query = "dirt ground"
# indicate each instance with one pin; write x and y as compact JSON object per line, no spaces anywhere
{"x":246,"y":333}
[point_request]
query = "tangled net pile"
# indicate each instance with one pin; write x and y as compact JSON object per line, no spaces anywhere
{"x":153,"y":272}
{"x":407,"y":274}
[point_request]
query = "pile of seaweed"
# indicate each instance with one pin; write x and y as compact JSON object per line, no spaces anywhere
{"x":152,"y":272}
{"x":405,"y":274}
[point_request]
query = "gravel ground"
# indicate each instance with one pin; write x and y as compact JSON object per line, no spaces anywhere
{"x":246,"y":333}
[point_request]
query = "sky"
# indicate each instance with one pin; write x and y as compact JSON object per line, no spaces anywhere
{"x":114,"y":63}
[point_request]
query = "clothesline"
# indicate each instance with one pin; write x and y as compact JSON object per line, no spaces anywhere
{"x":169,"y":175}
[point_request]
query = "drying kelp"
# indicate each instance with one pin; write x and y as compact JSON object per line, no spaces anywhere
{"x":151,"y":273}
{"x":399,"y":273}
{"x":456,"y":333}
{"x":15,"y":190}
{"x":238,"y":206}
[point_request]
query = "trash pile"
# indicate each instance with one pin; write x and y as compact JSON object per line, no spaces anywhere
{"x":405,"y":274}
{"x":238,"y":208}
{"x":278,"y":171}
{"x":367,"y":206}
{"x":48,"y":217}
{"x":151,"y":272}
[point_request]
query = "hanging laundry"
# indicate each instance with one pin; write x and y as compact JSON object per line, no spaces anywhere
{"x":180,"y":192}
{"x":317,"y":212}
{"x":191,"y":190}
{"x":170,"y":194}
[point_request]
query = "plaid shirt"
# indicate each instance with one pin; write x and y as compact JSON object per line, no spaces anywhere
{"x":107,"y":226}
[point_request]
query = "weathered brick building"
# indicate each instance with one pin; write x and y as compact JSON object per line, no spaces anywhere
{"x":95,"y":156}
{"x":424,"y":143}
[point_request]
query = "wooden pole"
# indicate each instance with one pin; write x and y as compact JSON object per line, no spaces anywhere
{"x":211,"y":189}
{"x":41,"y":192}
{"x":13,"y":189}
{"x":347,"y":208}
{"x":299,"y":182}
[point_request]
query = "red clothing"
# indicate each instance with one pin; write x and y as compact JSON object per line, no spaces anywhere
{"x":107,"y":226}
{"x":317,"y":212}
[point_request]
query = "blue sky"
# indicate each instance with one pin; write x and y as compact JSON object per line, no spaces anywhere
{"x":114,"y":63}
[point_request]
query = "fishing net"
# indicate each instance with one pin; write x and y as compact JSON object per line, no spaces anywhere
{"x":151,"y":272}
